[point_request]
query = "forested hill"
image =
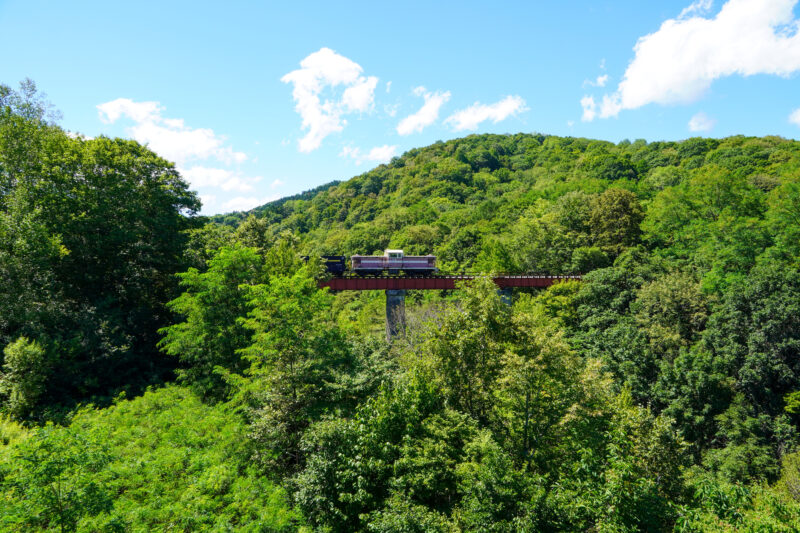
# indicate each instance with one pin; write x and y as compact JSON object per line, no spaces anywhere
{"x":537,"y":202}
{"x":660,"y":393}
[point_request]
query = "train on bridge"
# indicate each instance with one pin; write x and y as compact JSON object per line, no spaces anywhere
{"x":395,"y":273}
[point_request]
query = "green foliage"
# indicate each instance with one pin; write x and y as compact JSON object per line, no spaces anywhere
{"x":620,"y":472}
{"x":213,"y":304}
{"x":24,"y":376}
{"x":659,"y":393}
{"x":295,"y":354}
{"x":720,"y":506}
{"x":789,"y":481}
{"x":351,"y":463}
{"x":51,"y":483}
{"x":10,"y":431}
{"x":90,"y":236}
{"x":614,"y":220}
{"x":496,"y":496}
{"x":756,"y":332}
{"x":716,"y":217}
{"x":465,"y":346}
{"x":162,"y":461}
{"x":688,"y":252}
{"x":672,"y":311}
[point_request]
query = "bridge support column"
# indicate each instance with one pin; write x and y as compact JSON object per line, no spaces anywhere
{"x":505,"y":295}
{"x":395,"y":313}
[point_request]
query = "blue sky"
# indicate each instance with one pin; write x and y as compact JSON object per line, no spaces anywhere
{"x":254,"y":101}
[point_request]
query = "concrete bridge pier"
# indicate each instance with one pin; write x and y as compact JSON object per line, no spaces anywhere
{"x":505,"y":295}
{"x":395,"y":313}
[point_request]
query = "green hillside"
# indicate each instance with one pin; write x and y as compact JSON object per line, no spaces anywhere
{"x":524,"y":202}
{"x":163,"y":371}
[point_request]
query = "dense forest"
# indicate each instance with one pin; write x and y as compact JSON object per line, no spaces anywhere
{"x":167,"y":371}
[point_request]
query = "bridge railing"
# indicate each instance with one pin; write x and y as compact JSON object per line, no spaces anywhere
{"x":456,"y":275}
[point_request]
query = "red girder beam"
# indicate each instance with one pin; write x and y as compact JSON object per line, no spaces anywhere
{"x":435,"y":282}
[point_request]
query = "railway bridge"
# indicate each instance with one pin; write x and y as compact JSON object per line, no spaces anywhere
{"x":396,"y":287}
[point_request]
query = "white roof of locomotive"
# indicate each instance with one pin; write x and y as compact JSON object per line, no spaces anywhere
{"x":387,"y":252}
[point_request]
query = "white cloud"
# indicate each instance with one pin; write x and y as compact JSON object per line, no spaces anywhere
{"x":168,"y":137}
{"x":78,"y":135}
{"x":391,"y":110}
{"x":112,"y":111}
{"x":679,"y":62}
{"x":378,"y":154}
{"x":276,"y":183}
{"x":794,"y":117}
{"x":699,"y":7}
{"x":701,"y":122}
{"x":327,"y":69}
{"x":224,"y":179}
{"x":181,"y":144}
{"x":388,"y":86}
{"x":589,"y":108}
{"x":471,"y":117}
{"x":381,"y":153}
{"x":245,"y":203}
{"x":204,"y":159}
{"x":208,"y":200}
{"x":426,"y":115}
{"x":360,"y":96}
{"x":241,"y":203}
{"x":600,"y":81}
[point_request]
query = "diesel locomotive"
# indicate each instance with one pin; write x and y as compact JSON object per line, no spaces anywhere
{"x":391,"y":262}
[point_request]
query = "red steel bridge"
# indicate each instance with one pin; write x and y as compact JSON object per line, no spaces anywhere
{"x":437,"y":282}
{"x":396,"y":287}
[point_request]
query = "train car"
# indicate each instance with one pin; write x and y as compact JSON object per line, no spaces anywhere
{"x":334,"y":264}
{"x":392,"y":262}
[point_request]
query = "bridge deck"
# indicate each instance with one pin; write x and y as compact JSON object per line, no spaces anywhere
{"x":437,"y":282}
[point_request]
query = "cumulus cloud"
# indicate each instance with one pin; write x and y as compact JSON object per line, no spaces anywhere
{"x":589,"y":108}
{"x":426,"y":115}
{"x":227,"y":180}
{"x":200,"y":154}
{"x":701,"y":122}
{"x":471,"y":117}
{"x":169,"y":137}
{"x":360,"y":96}
{"x":325,"y":69}
{"x":244,"y":203}
{"x":679,"y":62}
{"x":112,"y":111}
{"x":794,"y":118}
{"x":277,"y":182}
{"x":208,"y":200}
{"x":378,"y":154}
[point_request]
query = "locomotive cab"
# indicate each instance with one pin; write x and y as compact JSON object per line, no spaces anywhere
{"x":394,"y":260}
